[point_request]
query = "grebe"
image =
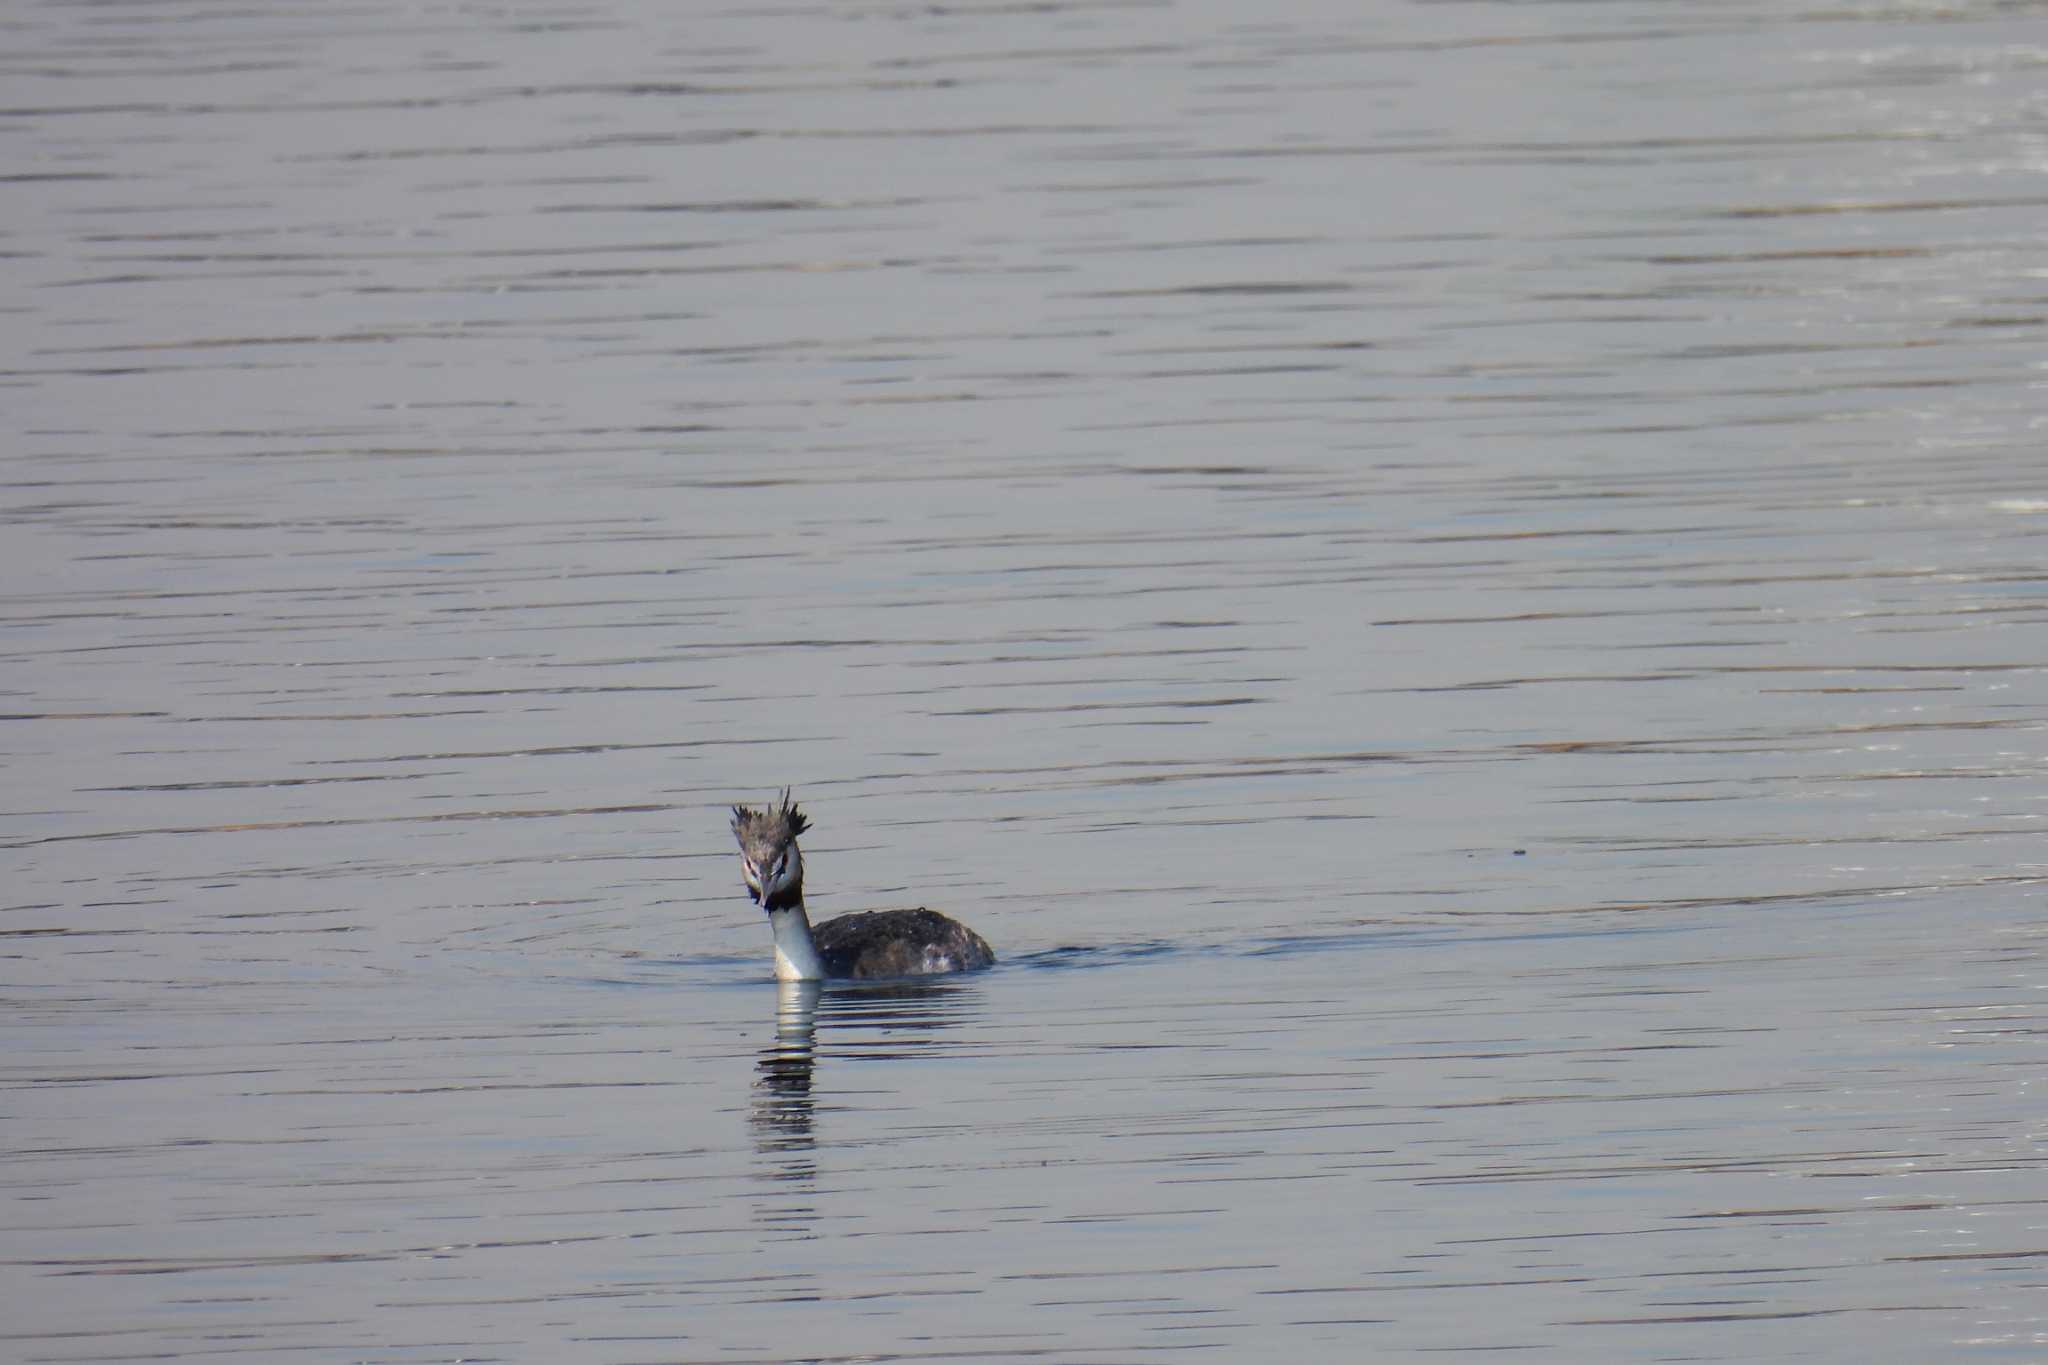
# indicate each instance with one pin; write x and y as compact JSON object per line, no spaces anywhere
{"x":875,"y":943}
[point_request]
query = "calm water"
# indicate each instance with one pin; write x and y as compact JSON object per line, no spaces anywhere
{"x":1459,"y":588}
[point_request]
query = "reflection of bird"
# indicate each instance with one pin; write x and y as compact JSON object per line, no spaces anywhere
{"x":877,"y":943}
{"x":782,"y":1092}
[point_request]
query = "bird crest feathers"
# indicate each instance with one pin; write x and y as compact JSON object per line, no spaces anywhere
{"x":769,"y":825}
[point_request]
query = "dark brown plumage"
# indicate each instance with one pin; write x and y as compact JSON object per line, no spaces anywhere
{"x":876,"y":943}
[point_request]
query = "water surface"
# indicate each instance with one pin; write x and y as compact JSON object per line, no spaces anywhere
{"x":1457,"y":588}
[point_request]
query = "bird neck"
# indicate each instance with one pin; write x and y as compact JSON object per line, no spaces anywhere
{"x":796,"y":956}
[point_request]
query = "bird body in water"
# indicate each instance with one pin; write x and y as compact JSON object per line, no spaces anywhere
{"x":873,"y":943}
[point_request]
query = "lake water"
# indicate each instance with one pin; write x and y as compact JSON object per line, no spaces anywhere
{"x":1458,"y":588}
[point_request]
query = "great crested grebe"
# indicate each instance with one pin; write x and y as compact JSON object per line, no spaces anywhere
{"x":875,"y":943}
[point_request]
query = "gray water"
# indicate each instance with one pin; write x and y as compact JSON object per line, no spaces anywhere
{"x":1458,"y":588}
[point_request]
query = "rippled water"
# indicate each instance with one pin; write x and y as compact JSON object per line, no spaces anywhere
{"x":1457,"y":588}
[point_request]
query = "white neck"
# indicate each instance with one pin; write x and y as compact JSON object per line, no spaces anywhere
{"x":796,"y":957}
